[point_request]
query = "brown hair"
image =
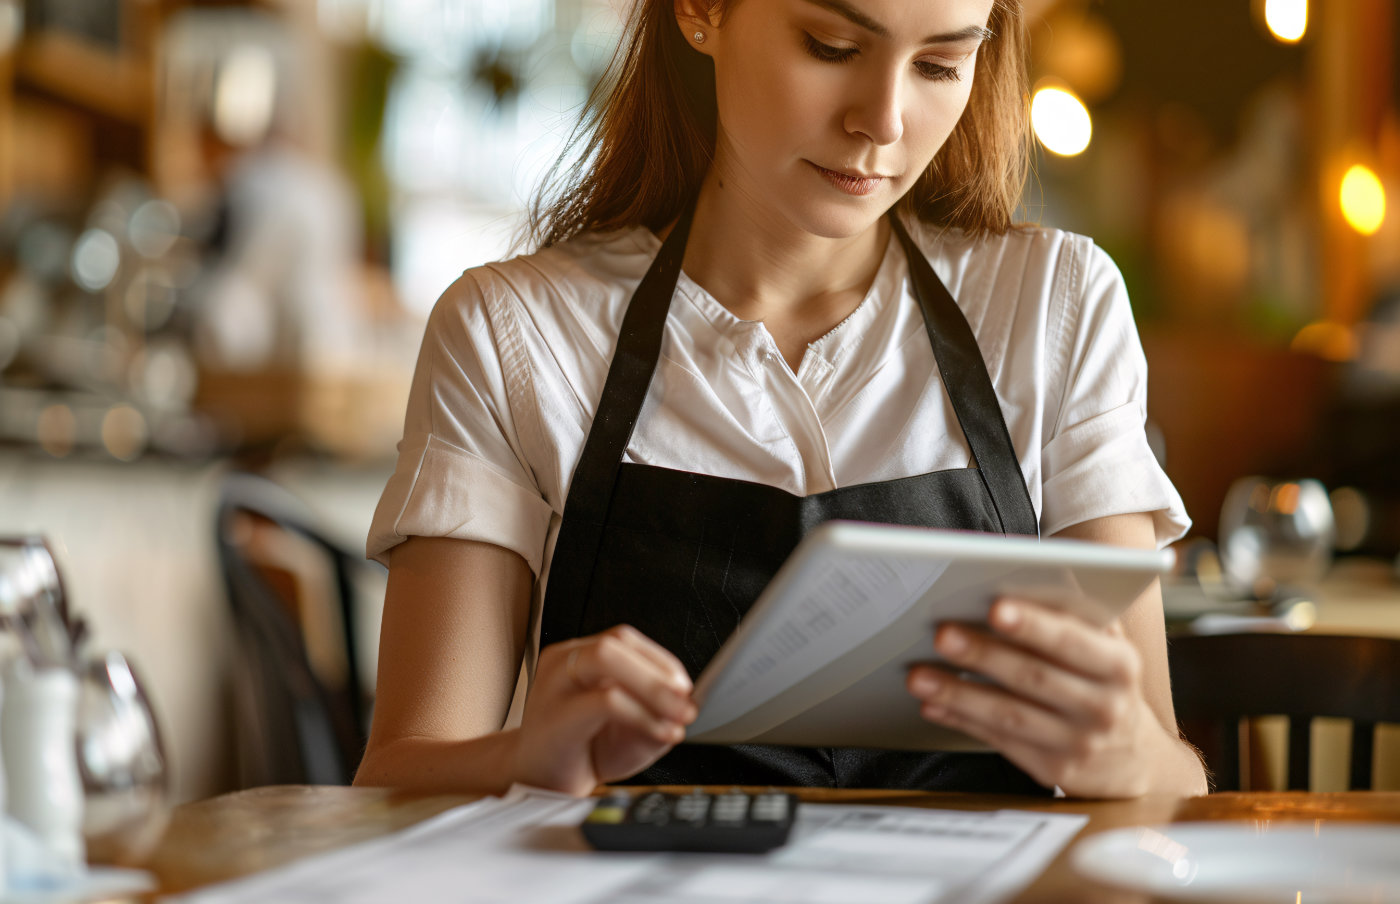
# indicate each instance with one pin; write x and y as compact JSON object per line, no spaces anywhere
{"x":647,"y":138}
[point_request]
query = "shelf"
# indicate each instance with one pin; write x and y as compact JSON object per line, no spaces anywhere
{"x":86,"y":76}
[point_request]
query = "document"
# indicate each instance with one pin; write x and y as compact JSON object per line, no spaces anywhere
{"x":840,"y":602}
{"x":526,"y":847}
{"x":821,"y":658}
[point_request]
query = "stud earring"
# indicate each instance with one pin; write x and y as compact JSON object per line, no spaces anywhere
{"x":699,"y":37}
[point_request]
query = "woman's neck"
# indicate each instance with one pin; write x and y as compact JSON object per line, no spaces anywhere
{"x":762,"y":267}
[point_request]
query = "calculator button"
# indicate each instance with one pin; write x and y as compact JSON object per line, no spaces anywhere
{"x":607,"y":814}
{"x":611,"y":809}
{"x":692,"y":807}
{"x":652,"y":809}
{"x":730,"y":809}
{"x":769,"y":808}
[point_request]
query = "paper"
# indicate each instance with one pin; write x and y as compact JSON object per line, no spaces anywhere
{"x":822,"y":658}
{"x":526,"y":847}
{"x":844,"y":601}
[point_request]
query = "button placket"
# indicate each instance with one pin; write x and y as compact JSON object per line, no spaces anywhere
{"x":793,"y":404}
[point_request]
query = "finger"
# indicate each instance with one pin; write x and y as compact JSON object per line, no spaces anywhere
{"x":611,"y":660}
{"x":1023,"y":672}
{"x":619,"y":752}
{"x":658,"y":654}
{"x":625,"y":711}
{"x":943,"y":696}
{"x":606,"y":707}
{"x":1066,"y":639}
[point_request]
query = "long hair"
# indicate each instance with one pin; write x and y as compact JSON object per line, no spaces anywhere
{"x":647,"y":137}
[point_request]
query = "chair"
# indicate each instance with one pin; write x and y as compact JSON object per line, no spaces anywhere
{"x":298,"y":699}
{"x":1219,"y":679}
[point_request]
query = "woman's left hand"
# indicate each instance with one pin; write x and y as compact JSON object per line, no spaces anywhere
{"x":1068,"y":708}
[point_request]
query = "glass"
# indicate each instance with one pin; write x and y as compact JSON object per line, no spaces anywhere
{"x":122,"y":764}
{"x":1275,"y":535}
{"x":35,"y":606}
{"x":116,"y":741}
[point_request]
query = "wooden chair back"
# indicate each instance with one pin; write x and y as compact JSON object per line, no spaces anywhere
{"x":298,"y":720}
{"x":1219,"y":679}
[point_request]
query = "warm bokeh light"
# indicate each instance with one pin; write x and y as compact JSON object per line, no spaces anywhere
{"x":1326,"y":339}
{"x":1363,"y":199}
{"x":124,"y":432}
{"x":1086,"y":54}
{"x":1061,"y":121}
{"x":245,"y":95}
{"x":1300,"y":616}
{"x":1285,"y":498}
{"x":1287,"y":19}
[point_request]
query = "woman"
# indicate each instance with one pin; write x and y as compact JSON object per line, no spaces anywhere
{"x":790,"y":354}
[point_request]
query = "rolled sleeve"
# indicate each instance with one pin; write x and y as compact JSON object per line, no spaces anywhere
{"x":440,"y":491}
{"x":463,"y":471}
{"x":1104,"y":466}
{"x":1096,"y":460}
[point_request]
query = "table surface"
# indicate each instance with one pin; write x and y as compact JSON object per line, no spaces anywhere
{"x":248,"y":831}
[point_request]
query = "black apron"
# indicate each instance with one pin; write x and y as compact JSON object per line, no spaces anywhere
{"x":682,"y":556}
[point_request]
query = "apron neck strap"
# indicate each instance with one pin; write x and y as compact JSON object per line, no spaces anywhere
{"x":629,"y":377}
{"x":970,"y":389}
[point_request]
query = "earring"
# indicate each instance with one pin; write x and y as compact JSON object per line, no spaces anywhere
{"x":699,"y":37}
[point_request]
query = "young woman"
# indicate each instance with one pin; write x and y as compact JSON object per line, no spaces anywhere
{"x":783,"y":287}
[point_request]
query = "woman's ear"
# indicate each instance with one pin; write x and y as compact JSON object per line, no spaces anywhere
{"x":697,"y":23}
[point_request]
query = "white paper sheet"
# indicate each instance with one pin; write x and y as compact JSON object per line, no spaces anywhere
{"x":822,"y":658}
{"x":526,"y":847}
{"x":844,"y":601}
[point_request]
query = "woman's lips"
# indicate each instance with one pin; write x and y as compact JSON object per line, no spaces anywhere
{"x":851,"y":185}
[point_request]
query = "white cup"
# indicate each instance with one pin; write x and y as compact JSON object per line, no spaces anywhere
{"x":38,"y":726}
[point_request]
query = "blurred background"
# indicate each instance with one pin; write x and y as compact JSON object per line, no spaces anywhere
{"x":222,"y":226}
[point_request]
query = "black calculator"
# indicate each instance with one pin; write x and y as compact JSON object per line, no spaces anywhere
{"x":728,"y":822}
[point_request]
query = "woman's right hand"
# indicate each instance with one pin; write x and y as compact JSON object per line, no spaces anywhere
{"x":601,"y":708}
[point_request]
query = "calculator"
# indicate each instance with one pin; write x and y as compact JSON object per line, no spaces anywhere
{"x":729,"y":822}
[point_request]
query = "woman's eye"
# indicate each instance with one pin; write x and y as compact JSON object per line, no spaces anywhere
{"x":828,"y":54}
{"x":825,"y":52}
{"x":937,"y":72}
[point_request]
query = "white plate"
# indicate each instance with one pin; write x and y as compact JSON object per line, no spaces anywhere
{"x":1248,"y":861}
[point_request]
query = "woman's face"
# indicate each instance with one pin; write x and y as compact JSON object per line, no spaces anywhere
{"x":829,"y":110}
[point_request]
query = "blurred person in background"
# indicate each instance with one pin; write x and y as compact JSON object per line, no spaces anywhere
{"x":775,"y":194}
{"x":286,"y":244}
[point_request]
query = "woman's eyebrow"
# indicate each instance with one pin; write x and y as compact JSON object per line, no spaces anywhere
{"x":847,"y":11}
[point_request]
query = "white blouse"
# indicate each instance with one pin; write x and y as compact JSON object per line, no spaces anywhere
{"x":515,"y":355}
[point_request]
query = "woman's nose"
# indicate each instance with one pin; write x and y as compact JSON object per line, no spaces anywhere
{"x":875,"y":110}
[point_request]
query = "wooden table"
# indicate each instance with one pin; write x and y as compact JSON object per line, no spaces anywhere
{"x":249,"y":831}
